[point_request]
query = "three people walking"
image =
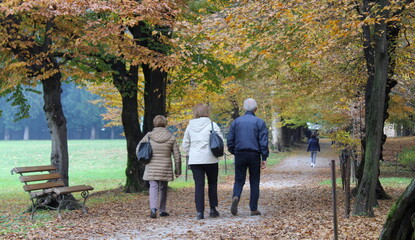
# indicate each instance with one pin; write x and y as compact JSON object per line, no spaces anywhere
{"x":247,"y":140}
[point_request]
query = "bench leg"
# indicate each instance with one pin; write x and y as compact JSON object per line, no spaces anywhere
{"x":61,"y":200}
{"x":85,"y":195}
{"x":32,"y":214}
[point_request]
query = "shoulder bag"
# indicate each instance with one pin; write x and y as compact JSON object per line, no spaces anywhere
{"x":215,"y":143}
{"x":144,"y":152}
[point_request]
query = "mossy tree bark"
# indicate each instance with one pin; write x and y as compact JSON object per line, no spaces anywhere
{"x":366,"y":195}
{"x":400,"y":222}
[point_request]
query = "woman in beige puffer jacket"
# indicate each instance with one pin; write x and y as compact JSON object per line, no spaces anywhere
{"x":159,"y":171}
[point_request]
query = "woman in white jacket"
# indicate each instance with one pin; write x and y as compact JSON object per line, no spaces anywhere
{"x":201,"y":160}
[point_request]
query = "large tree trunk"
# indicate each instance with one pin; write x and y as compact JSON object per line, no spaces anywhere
{"x":154,"y":95}
{"x":366,"y":198}
{"x":393,"y":30}
{"x":57,"y":124}
{"x":126,"y":83}
{"x":400,"y":223}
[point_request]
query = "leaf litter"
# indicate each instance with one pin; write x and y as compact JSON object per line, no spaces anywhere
{"x":293,"y":203}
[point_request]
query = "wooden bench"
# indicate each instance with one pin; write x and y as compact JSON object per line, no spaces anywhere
{"x":43,"y":184}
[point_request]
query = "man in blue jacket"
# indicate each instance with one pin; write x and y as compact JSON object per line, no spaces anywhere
{"x":248,"y":141}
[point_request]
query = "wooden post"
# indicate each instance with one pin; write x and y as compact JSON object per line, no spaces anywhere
{"x":187,"y":167}
{"x":396,"y":162}
{"x":333,"y":180}
{"x":347,"y":187}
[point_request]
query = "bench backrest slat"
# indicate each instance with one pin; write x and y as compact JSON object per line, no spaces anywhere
{"x":34,"y":169}
{"x":40,"y":177}
{"x":45,"y":185}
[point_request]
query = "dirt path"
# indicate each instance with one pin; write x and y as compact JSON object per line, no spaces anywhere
{"x":292,"y":174}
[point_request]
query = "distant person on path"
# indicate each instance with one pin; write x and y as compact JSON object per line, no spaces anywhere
{"x":201,"y":160}
{"x":313,"y":147}
{"x":248,"y":141}
{"x":160,"y":169}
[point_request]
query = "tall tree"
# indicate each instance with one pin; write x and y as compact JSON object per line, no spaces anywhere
{"x":366,"y":198}
{"x":28,"y":30}
{"x":381,"y":62}
{"x":130,"y":41}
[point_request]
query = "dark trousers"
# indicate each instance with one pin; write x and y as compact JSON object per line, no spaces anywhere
{"x":211,"y":171}
{"x":248,"y":161}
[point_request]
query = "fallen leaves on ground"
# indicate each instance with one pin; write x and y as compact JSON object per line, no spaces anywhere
{"x":294,"y":211}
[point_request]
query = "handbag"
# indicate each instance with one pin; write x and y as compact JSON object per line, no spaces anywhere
{"x":144,"y":152}
{"x":215,"y":143}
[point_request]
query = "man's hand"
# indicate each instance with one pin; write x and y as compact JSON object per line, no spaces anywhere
{"x":263,"y":164}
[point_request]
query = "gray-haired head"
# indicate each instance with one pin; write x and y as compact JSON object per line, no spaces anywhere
{"x":250,"y":105}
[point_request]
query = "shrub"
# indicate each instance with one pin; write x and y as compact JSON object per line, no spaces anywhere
{"x":407,"y":158}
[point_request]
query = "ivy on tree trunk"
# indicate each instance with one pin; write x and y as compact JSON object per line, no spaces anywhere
{"x":366,"y":196}
{"x":400,"y":222}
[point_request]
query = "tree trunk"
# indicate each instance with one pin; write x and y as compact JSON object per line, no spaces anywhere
{"x":366,"y":196}
{"x":154,"y":95}
{"x":6,"y":134}
{"x":93,"y":133}
{"x":286,"y":136}
{"x":235,"y":108}
{"x":57,"y":124}
{"x":277,"y":133}
{"x":126,"y":83}
{"x":26,"y":133}
{"x":400,"y":222}
{"x":112,"y":133}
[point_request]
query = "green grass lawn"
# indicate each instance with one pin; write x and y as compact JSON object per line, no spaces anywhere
{"x":99,"y":163}
{"x":394,"y":182}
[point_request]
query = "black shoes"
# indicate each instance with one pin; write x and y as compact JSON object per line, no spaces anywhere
{"x":164,"y":214}
{"x":153,"y":213}
{"x":200,"y":215}
{"x":234,"y":206}
{"x":213,"y":213}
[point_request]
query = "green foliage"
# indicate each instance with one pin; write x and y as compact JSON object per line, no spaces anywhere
{"x":407,"y":158}
{"x":345,"y":140}
{"x":17,"y":98}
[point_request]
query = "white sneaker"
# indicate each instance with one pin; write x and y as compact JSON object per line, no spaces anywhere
{"x":312,"y":165}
